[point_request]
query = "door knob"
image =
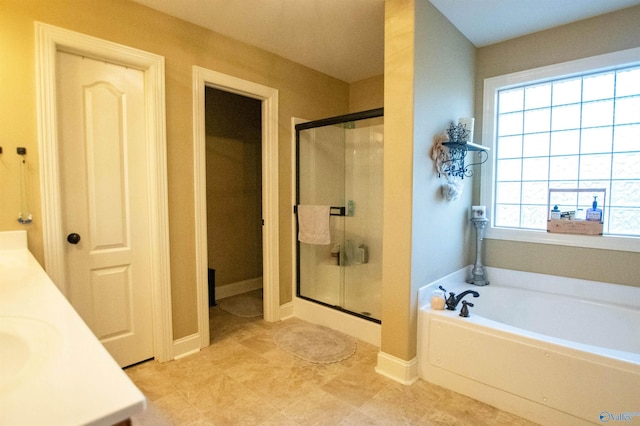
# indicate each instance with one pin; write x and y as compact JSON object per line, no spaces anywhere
{"x":73,"y":238}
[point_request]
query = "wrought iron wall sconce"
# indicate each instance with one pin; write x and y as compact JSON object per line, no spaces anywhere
{"x":449,"y":152}
{"x":458,"y":146}
{"x":455,"y":164}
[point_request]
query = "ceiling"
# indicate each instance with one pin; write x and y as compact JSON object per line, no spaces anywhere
{"x":491,"y":21}
{"x":345,"y":38}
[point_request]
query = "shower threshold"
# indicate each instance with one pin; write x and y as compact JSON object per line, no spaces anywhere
{"x":364,"y":315}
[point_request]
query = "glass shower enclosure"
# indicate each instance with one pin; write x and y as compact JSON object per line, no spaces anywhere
{"x":339,"y":164}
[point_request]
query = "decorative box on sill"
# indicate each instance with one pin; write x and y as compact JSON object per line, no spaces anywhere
{"x":570,"y":201}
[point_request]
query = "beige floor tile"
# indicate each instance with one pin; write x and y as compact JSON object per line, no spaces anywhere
{"x":437,"y":417}
{"x":223,"y":352}
{"x":393,"y":405}
{"x":467,"y":410}
{"x":280,"y":357}
{"x":146,"y":369}
{"x":243,"y":378}
{"x":245,"y":366}
{"x":318,"y":408}
{"x":358,"y":418}
{"x":201,"y":422}
{"x":212,"y":393}
{"x":366,"y":354}
{"x":245,"y":409}
{"x":260,"y":342}
{"x":507,"y":419}
{"x":153,"y":386}
{"x":278,"y":419}
{"x":191,"y":367}
{"x":152,"y":416}
{"x":316,"y":374}
{"x":279,"y":386}
{"x":179,"y":410}
{"x":356,"y":385}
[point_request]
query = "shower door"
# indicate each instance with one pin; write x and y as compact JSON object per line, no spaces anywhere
{"x":339,"y":164}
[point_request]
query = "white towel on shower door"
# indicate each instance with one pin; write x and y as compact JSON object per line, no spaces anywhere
{"x":313,"y":224}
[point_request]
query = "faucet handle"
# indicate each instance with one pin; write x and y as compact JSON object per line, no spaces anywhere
{"x":451,"y":301}
{"x":464,"y":311}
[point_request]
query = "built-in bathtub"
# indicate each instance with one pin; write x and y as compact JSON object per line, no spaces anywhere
{"x":551,"y":349}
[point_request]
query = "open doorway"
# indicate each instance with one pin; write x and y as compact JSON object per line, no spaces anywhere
{"x":233,"y":147}
{"x":268,"y":99}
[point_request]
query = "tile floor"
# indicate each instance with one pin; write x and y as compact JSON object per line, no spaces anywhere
{"x":243,"y":378}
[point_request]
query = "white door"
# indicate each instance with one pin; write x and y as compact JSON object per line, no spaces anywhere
{"x":105,"y":202}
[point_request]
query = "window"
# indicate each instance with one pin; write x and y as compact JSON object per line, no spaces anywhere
{"x":573,"y":125}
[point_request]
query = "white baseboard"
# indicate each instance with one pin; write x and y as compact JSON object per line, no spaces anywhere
{"x":186,"y":346}
{"x":286,"y":311}
{"x":240,"y":287}
{"x":405,"y":372}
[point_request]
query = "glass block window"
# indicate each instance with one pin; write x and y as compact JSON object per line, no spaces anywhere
{"x":581,"y":131}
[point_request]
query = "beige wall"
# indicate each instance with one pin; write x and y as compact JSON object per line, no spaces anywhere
{"x":398,"y":157}
{"x":428,"y":83}
{"x":366,"y":94}
{"x":302,"y":93}
{"x":604,"y":34}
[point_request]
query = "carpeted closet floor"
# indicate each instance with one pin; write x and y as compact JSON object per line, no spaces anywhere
{"x":244,"y":378}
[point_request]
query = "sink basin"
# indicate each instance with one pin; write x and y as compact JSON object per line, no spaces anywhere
{"x":25,"y":346}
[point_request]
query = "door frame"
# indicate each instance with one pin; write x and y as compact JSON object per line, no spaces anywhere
{"x":203,"y":78}
{"x":49,"y":40}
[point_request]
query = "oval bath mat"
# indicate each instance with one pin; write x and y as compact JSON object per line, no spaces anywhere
{"x":244,"y":305}
{"x":315,"y":343}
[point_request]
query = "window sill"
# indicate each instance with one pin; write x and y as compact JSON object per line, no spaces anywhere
{"x":606,"y":242}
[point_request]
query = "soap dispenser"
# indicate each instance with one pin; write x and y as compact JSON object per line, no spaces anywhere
{"x":594,"y":213}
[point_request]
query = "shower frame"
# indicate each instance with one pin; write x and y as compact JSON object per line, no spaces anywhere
{"x":342,"y":119}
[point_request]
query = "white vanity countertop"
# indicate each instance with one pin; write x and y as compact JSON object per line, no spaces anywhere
{"x":53,"y":370}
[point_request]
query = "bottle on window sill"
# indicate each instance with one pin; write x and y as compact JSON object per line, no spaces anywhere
{"x":594,"y":213}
